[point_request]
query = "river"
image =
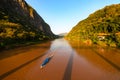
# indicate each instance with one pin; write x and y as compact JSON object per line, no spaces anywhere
{"x":71,"y":61}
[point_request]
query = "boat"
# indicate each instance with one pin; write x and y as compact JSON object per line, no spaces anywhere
{"x":46,"y":61}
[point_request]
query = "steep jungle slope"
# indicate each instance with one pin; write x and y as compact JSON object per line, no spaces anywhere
{"x":102,"y":23}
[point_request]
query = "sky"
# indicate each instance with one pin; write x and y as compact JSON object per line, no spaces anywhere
{"x":63,"y":15}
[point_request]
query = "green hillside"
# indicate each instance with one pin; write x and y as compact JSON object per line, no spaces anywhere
{"x":102,"y":23}
{"x":20,"y":23}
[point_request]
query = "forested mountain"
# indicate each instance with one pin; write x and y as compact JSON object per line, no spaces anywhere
{"x":104,"y":22}
{"x":19,"y":22}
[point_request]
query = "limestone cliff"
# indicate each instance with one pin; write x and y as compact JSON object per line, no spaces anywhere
{"x":19,"y":21}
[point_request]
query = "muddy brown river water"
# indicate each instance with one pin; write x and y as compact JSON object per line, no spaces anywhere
{"x":71,"y":61}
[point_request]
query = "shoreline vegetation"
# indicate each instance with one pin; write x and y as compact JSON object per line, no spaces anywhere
{"x":21,"y":44}
{"x":101,"y":27}
{"x":103,"y":41}
{"x":13,"y":35}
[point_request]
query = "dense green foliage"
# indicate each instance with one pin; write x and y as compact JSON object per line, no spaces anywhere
{"x":11,"y":33}
{"x":105,"y":21}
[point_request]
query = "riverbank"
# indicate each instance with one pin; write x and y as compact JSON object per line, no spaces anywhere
{"x":22,"y":48}
{"x":21,"y":44}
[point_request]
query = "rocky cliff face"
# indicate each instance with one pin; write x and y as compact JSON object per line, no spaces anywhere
{"x":20,"y":24}
{"x":19,"y":12}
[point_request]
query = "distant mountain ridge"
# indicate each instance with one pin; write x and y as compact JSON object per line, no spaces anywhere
{"x":62,"y":34}
{"x":105,"y":21}
{"x":19,"y":21}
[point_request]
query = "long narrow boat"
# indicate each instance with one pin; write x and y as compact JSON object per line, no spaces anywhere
{"x":46,"y":61}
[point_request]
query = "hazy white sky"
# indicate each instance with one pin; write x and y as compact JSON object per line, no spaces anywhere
{"x":63,"y":15}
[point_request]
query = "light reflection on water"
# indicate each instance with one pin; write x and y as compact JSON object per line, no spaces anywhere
{"x":93,"y":60}
{"x":99,"y":59}
{"x":72,"y":61}
{"x":59,"y":43}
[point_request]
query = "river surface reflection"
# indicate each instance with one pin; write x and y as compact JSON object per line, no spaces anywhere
{"x":95,"y":62}
{"x":71,"y":61}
